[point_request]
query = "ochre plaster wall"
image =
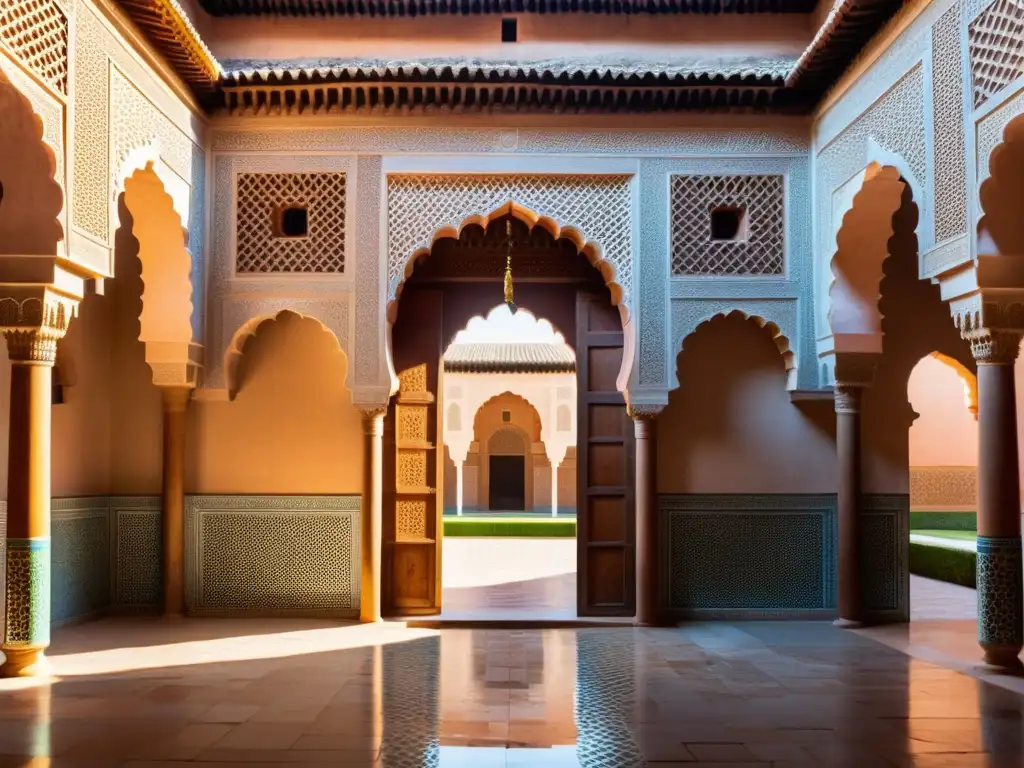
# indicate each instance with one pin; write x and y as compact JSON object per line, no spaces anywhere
{"x":945,"y":433}
{"x":487,"y":421}
{"x":291,"y":429}
{"x":730,"y":427}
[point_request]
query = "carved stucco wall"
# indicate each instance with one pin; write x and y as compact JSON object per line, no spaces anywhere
{"x":236,"y":297}
{"x":119,"y":108}
{"x":374,"y":259}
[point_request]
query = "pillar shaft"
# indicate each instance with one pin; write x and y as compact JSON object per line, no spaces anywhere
{"x":372,"y":514}
{"x":27,"y":621}
{"x":458,"y":487}
{"x":554,"y":489}
{"x":175,"y":403}
{"x":999,"y":576}
{"x":645,"y":432}
{"x":848,"y":399}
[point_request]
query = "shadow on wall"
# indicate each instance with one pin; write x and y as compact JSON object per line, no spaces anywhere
{"x":731,"y":427}
{"x":291,"y":427}
{"x":915,"y":323}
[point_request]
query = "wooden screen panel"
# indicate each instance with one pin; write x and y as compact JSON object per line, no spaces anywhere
{"x":606,"y":537}
{"x":412,"y":528}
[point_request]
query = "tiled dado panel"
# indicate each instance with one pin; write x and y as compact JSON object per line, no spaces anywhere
{"x":945,"y":489}
{"x":748,"y":556}
{"x":885,"y":556}
{"x":272,"y":555}
{"x":775,"y":556}
{"x":80,"y":534}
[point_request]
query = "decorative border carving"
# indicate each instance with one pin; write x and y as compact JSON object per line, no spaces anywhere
{"x":990,"y":132}
{"x":235,"y":300}
{"x":944,"y":488}
{"x":782,"y":136}
{"x":369,"y":367}
{"x":820,"y":506}
{"x":950,"y":160}
{"x":198,"y":507}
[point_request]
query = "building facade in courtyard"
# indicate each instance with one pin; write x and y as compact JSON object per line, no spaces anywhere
{"x":236,"y":237}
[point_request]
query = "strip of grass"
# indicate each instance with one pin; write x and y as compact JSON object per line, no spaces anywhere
{"x":519,"y":527}
{"x":954,"y":566}
{"x":944,"y":521}
{"x":941,"y":534}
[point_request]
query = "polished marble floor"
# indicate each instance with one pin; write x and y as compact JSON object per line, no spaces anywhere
{"x":133,"y":692}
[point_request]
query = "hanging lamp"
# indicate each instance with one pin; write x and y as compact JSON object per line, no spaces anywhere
{"x":509,"y":299}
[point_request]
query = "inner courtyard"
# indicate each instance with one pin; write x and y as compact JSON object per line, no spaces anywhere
{"x":584,"y":383}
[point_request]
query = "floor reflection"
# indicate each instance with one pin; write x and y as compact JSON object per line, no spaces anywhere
{"x":764,"y":694}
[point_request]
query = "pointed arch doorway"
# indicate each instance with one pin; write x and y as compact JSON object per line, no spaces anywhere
{"x":461,"y":278}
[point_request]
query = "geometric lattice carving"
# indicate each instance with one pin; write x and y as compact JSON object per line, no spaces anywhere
{"x":761,"y":248}
{"x":252,"y":554}
{"x":261,"y":196}
{"x":37,"y":32}
{"x":597,"y":206}
{"x":138,"y":580}
{"x":948,"y":114}
{"x":758,"y":554}
{"x":996,"y":45}
{"x":944,"y":488}
{"x":412,"y":423}
{"x":412,"y":469}
{"x":411,"y":520}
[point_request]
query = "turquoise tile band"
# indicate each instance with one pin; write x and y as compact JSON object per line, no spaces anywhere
{"x":1000,"y":591}
{"x":28,"y":593}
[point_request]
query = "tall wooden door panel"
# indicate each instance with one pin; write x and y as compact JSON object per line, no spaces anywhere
{"x":606,"y":526}
{"x":412,"y":514}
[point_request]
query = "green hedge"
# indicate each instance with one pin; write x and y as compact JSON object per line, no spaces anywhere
{"x":955,"y":566}
{"x":944,"y":521}
{"x":541,"y":527}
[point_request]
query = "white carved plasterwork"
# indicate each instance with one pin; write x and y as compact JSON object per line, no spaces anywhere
{"x":990,"y":131}
{"x":777,"y":137}
{"x":888,"y":127}
{"x":598,"y":206}
{"x":51,"y":113}
{"x":369,"y":363}
{"x":996,"y":44}
{"x":950,"y":148}
{"x":658,"y":344}
{"x":120,"y":107}
{"x":236,"y":299}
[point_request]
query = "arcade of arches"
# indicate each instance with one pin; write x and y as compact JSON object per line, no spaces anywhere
{"x":227,"y":311}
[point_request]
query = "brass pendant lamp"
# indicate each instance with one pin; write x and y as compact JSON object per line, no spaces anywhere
{"x":509,"y":299}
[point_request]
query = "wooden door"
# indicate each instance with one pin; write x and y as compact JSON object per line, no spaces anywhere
{"x":414,"y":465}
{"x":606,"y":537}
{"x":507,"y":482}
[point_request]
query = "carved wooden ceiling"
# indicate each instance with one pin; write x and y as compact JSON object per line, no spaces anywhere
{"x":460,"y":85}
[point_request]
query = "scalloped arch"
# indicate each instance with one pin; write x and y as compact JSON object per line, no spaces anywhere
{"x":781,"y":341}
{"x":166,"y":317}
{"x":590,"y":249}
{"x":967,"y":376}
{"x":236,"y":348}
{"x":862,"y":246}
{"x":509,"y":393}
{"x":30,"y":214}
{"x":999,"y":207}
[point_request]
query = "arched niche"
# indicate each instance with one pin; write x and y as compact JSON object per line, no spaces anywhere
{"x":1000,"y":227}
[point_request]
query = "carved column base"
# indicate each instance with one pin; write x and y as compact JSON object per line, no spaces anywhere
{"x":27,"y":625}
{"x":1000,"y":601}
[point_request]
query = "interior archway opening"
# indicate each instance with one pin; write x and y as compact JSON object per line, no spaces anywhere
{"x":565,"y":328}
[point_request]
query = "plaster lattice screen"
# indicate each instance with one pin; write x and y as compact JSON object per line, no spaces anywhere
{"x":996,"y":43}
{"x":37,"y":33}
{"x":761,"y":250}
{"x":260,"y":249}
{"x":597,"y":206}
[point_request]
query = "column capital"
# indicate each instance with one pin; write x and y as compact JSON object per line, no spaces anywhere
{"x":991,"y":347}
{"x":848,"y":397}
{"x":33,"y":319}
{"x":645,"y":411}
{"x":176,"y":398}
{"x":373,"y":417}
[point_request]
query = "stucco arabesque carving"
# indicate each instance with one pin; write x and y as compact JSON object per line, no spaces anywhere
{"x":994,"y":329}
{"x":237,"y":300}
{"x":33,"y":319}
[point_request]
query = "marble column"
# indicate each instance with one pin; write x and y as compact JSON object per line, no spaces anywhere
{"x":645,"y":432}
{"x":27,"y":627}
{"x":372,"y":514}
{"x":847,"y":404}
{"x":175,"y":403}
{"x":999,"y":577}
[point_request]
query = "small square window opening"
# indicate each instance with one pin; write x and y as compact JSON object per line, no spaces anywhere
{"x":509,"y":30}
{"x":292,"y":221}
{"x":728,"y":223}
{"x":506,"y":416}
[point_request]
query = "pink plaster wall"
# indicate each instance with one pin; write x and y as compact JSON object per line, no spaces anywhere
{"x":945,"y":433}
